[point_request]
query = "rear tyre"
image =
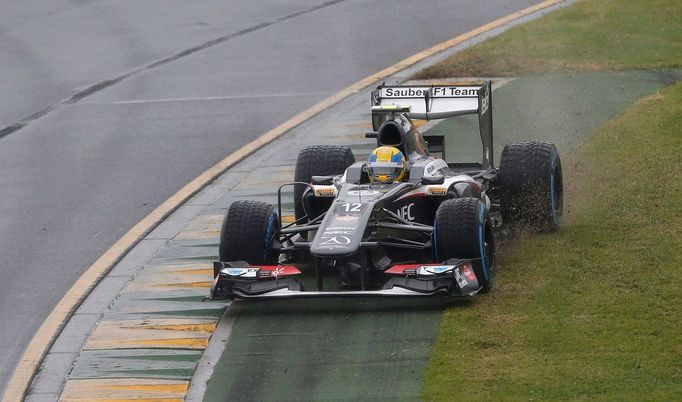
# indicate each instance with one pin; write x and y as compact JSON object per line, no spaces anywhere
{"x":319,"y":160}
{"x":531,"y":185}
{"x":250,"y":233}
{"x":462,"y":229}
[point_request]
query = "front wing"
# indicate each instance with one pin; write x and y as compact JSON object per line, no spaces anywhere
{"x":238,"y":280}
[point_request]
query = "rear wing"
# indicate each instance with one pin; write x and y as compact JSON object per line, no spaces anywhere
{"x":430,"y":102}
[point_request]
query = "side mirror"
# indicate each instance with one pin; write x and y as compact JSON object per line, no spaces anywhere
{"x":433,"y":179}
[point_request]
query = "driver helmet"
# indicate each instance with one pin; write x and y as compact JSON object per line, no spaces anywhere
{"x":386,"y":165}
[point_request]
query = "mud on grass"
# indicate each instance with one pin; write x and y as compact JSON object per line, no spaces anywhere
{"x":591,"y":35}
{"x":593,"y":311}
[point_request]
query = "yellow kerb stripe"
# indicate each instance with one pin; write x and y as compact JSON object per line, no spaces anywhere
{"x":122,"y":400}
{"x":210,"y":327}
{"x":159,"y":388}
{"x":191,"y":343}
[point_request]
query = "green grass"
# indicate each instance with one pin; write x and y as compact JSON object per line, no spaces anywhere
{"x":587,"y":36}
{"x":593,"y":312}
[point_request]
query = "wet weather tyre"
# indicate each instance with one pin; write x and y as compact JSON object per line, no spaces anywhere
{"x":531,"y":185}
{"x":250,"y":233}
{"x":462,"y":229}
{"x":319,"y":160}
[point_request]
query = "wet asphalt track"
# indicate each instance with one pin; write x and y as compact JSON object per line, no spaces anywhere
{"x":108,"y":108}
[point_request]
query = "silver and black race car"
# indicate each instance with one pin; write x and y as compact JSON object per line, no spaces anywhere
{"x":430,"y":233}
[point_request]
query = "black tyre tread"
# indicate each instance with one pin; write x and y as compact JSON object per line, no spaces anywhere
{"x":457,"y":224}
{"x":319,"y":160}
{"x":457,"y":228}
{"x":243,"y":233}
{"x":524,"y":181}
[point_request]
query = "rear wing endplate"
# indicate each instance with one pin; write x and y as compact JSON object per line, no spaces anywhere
{"x":431,"y":102}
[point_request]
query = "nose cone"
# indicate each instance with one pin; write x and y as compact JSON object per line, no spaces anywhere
{"x":341,"y":231}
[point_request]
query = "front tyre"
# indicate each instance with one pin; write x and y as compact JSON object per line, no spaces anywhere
{"x":531,"y":185}
{"x":250,"y":233}
{"x":462,"y":229}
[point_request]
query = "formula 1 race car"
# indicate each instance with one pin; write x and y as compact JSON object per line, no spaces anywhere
{"x":403,"y":223}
